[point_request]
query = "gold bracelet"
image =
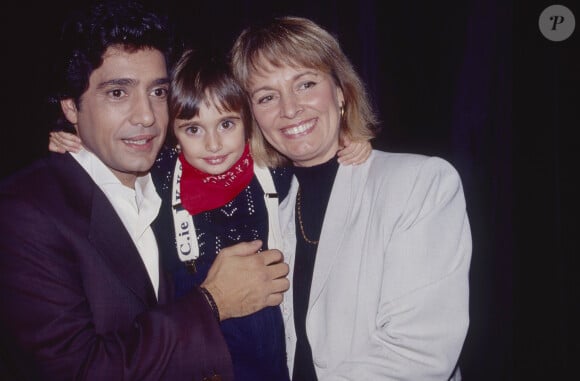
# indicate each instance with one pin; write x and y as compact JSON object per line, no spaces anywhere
{"x":211,"y":302}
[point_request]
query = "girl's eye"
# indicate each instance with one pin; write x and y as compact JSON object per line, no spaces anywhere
{"x":227,"y":124}
{"x":192,"y":130}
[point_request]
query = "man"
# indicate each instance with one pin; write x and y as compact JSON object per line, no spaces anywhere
{"x":83,"y":295}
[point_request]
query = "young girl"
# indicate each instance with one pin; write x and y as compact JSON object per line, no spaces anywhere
{"x":215,"y":194}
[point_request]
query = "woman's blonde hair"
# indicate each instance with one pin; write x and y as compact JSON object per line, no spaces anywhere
{"x":300,"y":42}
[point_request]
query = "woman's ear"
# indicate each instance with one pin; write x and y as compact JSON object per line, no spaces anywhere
{"x":69,"y":109}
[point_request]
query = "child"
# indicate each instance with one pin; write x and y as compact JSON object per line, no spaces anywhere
{"x":214,"y":195}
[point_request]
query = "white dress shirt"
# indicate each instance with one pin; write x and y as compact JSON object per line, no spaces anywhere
{"x":137,"y":208}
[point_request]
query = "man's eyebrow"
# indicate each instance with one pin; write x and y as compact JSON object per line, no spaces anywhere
{"x":117,"y":82}
{"x":161,"y":81}
{"x":129,"y":82}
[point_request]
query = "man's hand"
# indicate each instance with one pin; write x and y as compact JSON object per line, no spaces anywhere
{"x":243,"y":281}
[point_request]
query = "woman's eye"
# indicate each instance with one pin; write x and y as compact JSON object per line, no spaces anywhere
{"x":307,"y":85}
{"x":265,"y":99}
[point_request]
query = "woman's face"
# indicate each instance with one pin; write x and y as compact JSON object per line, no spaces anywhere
{"x":298,"y":111}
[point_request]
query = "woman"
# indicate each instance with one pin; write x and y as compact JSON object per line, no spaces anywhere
{"x":379,"y":253}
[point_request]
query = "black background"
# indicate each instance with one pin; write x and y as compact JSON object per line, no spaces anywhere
{"x":472,"y":81}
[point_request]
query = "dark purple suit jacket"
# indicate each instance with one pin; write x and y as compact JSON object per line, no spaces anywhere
{"x":75,"y":298}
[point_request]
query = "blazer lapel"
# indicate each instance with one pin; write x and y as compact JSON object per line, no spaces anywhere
{"x":333,"y":230}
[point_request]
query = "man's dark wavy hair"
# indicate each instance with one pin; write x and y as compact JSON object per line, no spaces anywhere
{"x":88,"y":33}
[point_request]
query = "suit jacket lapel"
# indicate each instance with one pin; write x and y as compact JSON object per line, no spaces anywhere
{"x":106,"y":230}
{"x":112,"y":240}
{"x":166,"y":291}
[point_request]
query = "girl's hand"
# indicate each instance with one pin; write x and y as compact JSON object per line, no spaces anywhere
{"x":354,"y":153}
{"x":61,"y":142}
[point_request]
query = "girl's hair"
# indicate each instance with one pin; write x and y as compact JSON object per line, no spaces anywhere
{"x":200,"y":76}
{"x":300,"y":42}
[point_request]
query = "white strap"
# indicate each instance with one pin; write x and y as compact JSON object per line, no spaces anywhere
{"x":271,"y":199}
{"x":185,"y":235}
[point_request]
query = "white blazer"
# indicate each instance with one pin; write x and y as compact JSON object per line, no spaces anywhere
{"x":389,"y":295}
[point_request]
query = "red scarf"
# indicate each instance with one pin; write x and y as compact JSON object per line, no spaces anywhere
{"x":201,"y":191}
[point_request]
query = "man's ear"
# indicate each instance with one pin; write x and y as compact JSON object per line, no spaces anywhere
{"x":69,"y":109}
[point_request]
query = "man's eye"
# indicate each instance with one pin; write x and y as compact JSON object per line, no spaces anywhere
{"x":160,"y":92}
{"x":117,"y":93}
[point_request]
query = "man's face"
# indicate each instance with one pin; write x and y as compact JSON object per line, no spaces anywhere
{"x":122,"y":117}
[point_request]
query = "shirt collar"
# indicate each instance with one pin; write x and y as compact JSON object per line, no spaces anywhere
{"x":145,"y":192}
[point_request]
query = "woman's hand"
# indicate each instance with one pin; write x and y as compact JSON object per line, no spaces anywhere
{"x":61,"y":142}
{"x":354,"y":152}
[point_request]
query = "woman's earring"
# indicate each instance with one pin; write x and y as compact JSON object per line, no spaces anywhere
{"x":178,"y":148}
{"x":342,"y":110}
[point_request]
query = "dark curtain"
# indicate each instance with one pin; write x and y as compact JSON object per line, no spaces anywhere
{"x":546,"y":117}
{"x":442,"y":76}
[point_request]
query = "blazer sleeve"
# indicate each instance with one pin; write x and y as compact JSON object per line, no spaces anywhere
{"x":49,"y":329}
{"x":423,"y":308}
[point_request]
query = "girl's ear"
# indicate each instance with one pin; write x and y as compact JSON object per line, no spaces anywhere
{"x":69,"y":109}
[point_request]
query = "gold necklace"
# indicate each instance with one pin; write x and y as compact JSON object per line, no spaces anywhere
{"x":299,"y":213}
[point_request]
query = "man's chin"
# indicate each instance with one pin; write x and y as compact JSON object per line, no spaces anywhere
{"x":140,"y":166}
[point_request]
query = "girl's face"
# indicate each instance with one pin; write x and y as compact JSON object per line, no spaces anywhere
{"x":213,"y":141}
{"x":298,"y":111}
